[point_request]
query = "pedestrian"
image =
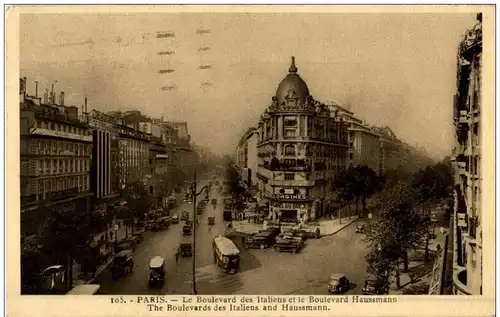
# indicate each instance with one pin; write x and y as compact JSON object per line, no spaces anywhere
{"x":209,"y":229}
{"x":438,"y":247}
{"x":177,"y":254}
{"x":441,"y":230}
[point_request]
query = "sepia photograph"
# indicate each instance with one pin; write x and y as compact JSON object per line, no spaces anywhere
{"x":251,"y":153}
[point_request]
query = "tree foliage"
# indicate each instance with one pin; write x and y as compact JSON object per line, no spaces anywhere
{"x":233,"y":185}
{"x":138,"y":200}
{"x":434,"y":182}
{"x":358,"y":183}
{"x":401,"y":226}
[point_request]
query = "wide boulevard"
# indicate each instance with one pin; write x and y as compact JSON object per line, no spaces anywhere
{"x":262,"y":271}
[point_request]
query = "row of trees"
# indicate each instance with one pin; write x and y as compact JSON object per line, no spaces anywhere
{"x":403,"y":221}
{"x":68,"y":235}
{"x":233,"y":185}
{"x":357,"y":184}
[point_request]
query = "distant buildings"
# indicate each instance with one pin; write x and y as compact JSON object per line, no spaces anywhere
{"x":467,"y":231}
{"x":301,"y":145}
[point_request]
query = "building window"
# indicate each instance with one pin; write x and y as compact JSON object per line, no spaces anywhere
{"x":289,"y":177}
{"x":289,"y":133}
{"x":290,"y":150}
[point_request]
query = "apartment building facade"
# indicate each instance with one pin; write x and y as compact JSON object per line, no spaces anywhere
{"x":467,"y":248}
{"x":55,"y":153}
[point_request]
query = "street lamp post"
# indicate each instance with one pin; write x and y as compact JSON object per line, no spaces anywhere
{"x":195,"y":194}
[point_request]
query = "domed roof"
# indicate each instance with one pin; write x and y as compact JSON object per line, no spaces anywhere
{"x":292,"y":86}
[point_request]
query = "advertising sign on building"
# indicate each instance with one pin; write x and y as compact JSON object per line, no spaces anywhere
{"x":290,"y":196}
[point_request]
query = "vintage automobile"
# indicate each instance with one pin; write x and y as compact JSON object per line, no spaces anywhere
{"x":295,"y":235}
{"x":150,"y":225}
{"x":338,"y":283}
{"x":214,"y":201}
{"x":211,"y":221}
{"x":125,"y":245}
{"x":360,"y":228}
{"x":187,"y":230}
{"x":261,"y":240}
{"x":164,"y":222}
{"x":156,"y":271}
{"x":373,"y":286}
{"x":184,"y":215}
{"x":175,"y":219}
{"x":122,"y":264}
{"x":186,"y":248}
{"x":286,"y":243}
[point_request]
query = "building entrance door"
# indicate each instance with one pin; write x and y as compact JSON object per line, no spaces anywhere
{"x":288,"y":215}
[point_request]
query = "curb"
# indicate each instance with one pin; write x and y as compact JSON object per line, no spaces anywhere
{"x":350,"y":222}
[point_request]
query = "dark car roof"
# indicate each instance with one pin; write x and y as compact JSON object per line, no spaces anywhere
{"x":337,"y":276}
{"x":123,"y":253}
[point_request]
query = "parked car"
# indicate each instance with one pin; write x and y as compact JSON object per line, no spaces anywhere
{"x":360,"y":228}
{"x":175,"y":219}
{"x":261,"y":240}
{"x":126,"y":245}
{"x":123,"y":264}
{"x":338,"y":283}
{"x":373,"y":286}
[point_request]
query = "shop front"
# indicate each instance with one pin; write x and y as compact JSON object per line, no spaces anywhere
{"x":291,"y":212}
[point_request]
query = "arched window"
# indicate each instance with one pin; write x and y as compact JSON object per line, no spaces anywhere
{"x":290,"y":149}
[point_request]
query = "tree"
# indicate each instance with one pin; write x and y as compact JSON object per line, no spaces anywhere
{"x":233,"y":186}
{"x":66,"y":235}
{"x":357,"y":183}
{"x":138,"y":201}
{"x":400,"y":228}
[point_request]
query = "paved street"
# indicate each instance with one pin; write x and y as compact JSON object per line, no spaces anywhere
{"x":262,"y":271}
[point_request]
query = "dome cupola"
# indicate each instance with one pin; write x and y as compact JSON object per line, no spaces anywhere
{"x":292,"y":86}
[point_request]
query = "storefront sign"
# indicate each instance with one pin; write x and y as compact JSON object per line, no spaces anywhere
{"x":288,"y":205}
{"x":61,"y":134}
{"x":290,"y":197}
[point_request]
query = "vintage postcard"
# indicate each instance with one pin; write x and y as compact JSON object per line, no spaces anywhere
{"x":250,"y":160}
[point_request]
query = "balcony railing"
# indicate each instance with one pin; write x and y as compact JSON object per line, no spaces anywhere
{"x":460,"y":282}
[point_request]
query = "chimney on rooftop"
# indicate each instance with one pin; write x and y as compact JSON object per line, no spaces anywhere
{"x":52,"y":96}
{"x":46,"y":96}
{"x":22,"y":86}
{"x":61,"y":98}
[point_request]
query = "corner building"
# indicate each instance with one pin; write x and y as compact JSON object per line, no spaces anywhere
{"x":302,"y":147}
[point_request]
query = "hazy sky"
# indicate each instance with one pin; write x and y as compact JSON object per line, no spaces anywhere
{"x":395,"y":69}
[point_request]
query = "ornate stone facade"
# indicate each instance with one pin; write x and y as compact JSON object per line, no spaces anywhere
{"x":302,"y":147}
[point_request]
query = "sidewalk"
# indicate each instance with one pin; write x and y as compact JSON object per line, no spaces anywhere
{"x":331,"y":227}
{"x":416,"y":281}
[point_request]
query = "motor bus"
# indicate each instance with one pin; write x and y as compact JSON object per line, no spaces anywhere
{"x":226,"y":254}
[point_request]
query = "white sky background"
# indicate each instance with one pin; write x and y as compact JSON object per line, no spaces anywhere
{"x":397,"y":70}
